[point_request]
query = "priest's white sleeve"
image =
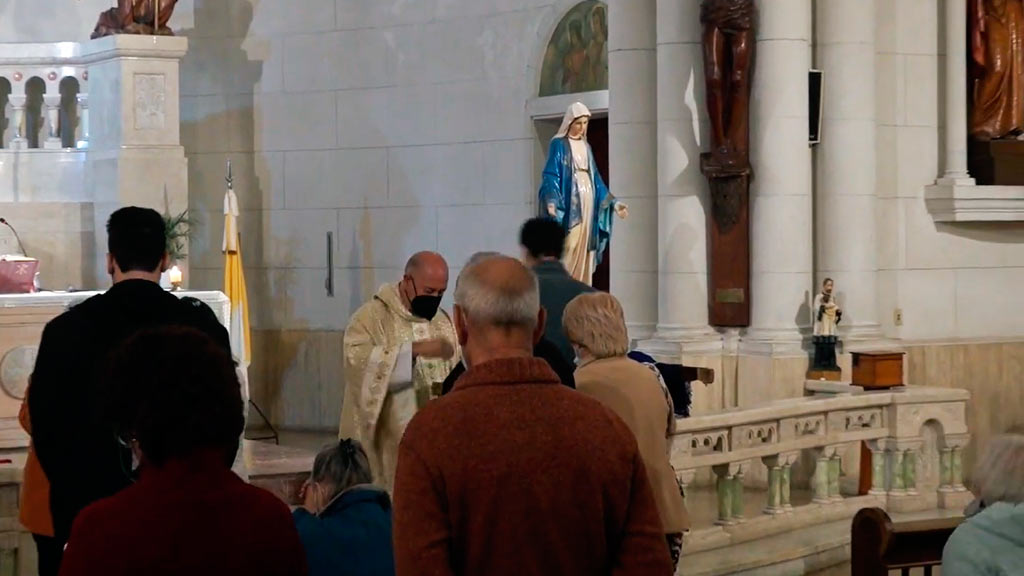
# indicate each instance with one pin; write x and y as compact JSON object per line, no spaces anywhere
{"x":401,"y":376}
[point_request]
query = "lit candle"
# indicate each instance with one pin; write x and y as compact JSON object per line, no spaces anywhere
{"x":174,"y":275}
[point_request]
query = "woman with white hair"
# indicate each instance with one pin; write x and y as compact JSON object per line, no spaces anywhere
{"x":345,"y":521}
{"x":596,"y":328}
{"x":992,"y":541}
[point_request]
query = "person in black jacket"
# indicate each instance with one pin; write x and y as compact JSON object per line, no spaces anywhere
{"x":76,"y":443}
{"x":544,"y":348}
{"x":543,"y":242}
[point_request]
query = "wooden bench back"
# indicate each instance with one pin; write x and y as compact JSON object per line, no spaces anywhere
{"x":880,"y":545}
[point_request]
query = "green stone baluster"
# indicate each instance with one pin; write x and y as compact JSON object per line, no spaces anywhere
{"x":910,"y":471}
{"x":787,"y":477}
{"x":821,"y":483}
{"x":833,"y":477}
{"x":878,"y":471}
{"x":737,"y":496}
{"x":897,"y":471}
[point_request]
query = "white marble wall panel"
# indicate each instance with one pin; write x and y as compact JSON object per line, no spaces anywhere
{"x":283,"y":17}
{"x":354,"y":14}
{"x":340,"y":60}
{"x":384,"y":237}
{"x":259,"y":181}
{"x":336,"y":178}
{"x":890,"y":89}
{"x":507,"y":182}
{"x":443,"y":175}
{"x":988,"y":301}
{"x":493,"y":227}
{"x":301,"y":121}
{"x":922,"y":86}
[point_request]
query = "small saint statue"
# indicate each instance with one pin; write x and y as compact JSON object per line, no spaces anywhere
{"x":827,"y":315}
{"x":573,"y":193}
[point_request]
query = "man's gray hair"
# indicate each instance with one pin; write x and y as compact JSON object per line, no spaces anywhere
{"x":481,"y":256}
{"x":999,"y":475}
{"x":512,"y":303}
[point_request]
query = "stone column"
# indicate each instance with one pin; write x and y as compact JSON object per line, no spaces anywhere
{"x":729,"y":487}
{"x":779,"y":478}
{"x":780,"y":192}
{"x":877,"y":467}
{"x":632,"y":144}
{"x":844,"y":205}
{"x":83,"y":121}
{"x":51,"y":106}
{"x":834,"y":470}
{"x":821,"y":482}
{"x":955,"y":170}
{"x":682,"y":189}
{"x":18,"y":101}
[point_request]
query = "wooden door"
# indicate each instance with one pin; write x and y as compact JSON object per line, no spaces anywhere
{"x":597,"y":136}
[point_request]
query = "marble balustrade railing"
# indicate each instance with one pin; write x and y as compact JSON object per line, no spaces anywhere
{"x":53,"y":76}
{"x":775,"y":435}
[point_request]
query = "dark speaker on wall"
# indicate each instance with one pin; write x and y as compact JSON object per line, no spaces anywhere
{"x":815,"y":85}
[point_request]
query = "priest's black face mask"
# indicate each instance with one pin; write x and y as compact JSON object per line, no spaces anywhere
{"x":422,"y":305}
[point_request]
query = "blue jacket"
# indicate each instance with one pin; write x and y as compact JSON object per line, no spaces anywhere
{"x":351,"y":537}
{"x":558,"y":187}
{"x":989,"y":543}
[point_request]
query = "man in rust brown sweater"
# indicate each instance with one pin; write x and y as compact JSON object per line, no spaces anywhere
{"x":513,"y":473}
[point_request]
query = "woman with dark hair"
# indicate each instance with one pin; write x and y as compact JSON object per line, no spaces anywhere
{"x":345,"y":521}
{"x":175,"y":401}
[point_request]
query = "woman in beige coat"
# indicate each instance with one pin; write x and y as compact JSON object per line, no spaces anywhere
{"x":596,"y":328}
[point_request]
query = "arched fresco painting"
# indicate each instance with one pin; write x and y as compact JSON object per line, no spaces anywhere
{"x":576,"y":59}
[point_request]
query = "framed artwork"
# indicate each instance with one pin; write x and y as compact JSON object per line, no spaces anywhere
{"x":576,"y":59}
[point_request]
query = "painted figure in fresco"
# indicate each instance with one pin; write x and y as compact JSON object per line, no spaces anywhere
{"x":827,"y":315}
{"x":575,"y":63}
{"x":136,"y":17}
{"x":597,"y":49}
{"x":576,"y":58}
{"x":997,"y":55}
{"x":573,"y":193}
{"x":728,"y":58}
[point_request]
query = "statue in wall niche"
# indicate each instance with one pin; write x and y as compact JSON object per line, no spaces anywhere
{"x":136,"y":17}
{"x":729,"y":27}
{"x":573,"y":193}
{"x":997,"y":66}
{"x":827,"y":315}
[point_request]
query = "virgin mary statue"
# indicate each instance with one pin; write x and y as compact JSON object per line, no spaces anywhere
{"x":573,"y":193}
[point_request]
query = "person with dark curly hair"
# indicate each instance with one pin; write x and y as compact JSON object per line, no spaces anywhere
{"x":79,"y":454}
{"x":345,"y":521}
{"x":174,"y":399}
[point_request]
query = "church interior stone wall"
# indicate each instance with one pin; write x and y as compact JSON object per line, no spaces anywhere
{"x":398,"y":126}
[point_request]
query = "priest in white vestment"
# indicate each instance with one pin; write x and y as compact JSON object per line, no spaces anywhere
{"x":398,"y":348}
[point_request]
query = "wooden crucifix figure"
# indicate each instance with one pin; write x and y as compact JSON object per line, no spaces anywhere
{"x":728,"y":66}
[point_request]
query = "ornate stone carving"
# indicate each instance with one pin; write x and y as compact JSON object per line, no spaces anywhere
{"x":864,"y":419}
{"x":15,"y":369}
{"x":150,"y":102}
{"x":810,"y":426}
{"x":756,"y":434}
{"x":709,"y":443}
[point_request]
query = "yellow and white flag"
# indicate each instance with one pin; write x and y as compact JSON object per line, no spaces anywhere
{"x":234,"y":282}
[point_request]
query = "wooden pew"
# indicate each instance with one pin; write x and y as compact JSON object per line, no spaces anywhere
{"x":880,"y":545}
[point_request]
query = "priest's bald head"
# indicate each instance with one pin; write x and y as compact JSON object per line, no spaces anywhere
{"x":424,"y":284}
{"x":497,"y":310}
